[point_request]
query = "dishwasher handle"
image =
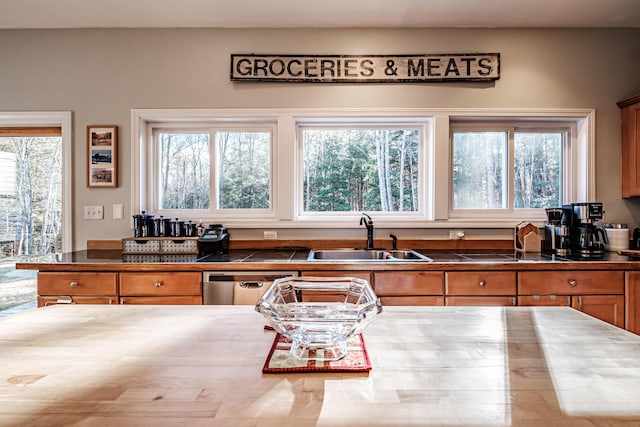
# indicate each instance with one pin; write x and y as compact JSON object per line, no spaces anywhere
{"x":251,"y":285}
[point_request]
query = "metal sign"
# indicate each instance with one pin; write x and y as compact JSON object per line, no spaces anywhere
{"x":475,"y":67}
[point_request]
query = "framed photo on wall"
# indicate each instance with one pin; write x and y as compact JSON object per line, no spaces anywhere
{"x":102,"y":153}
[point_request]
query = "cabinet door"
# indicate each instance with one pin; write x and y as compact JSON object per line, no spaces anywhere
{"x":160,"y":284}
{"x":632,"y":303}
{"x":486,"y":283}
{"x":570,"y":282}
{"x":406,"y":283}
{"x":630,"y":166}
{"x":546,"y":300}
{"x":83,"y":283}
{"x":609,"y":308}
{"x":330,"y":273}
{"x":481,"y":301}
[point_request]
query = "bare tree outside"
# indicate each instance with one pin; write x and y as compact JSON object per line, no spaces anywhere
{"x":351,"y":170}
{"x":242,"y":172}
{"x":244,"y":169}
{"x":481,"y":167}
{"x":361,"y":168}
{"x":185,"y":170}
{"x":30,"y":210}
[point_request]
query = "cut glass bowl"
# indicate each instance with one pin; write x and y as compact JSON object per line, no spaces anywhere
{"x":319,"y":312}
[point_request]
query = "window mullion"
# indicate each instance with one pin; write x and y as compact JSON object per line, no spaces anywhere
{"x":510,"y":168}
{"x":213,"y":171}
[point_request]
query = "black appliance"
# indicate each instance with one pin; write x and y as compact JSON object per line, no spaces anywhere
{"x":587,"y":236}
{"x":214,"y":240}
{"x":558,"y":232}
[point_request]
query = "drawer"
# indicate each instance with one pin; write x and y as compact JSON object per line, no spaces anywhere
{"x":413,"y":300}
{"x":185,"y":246}
{"x":175,"y":300}
{"x":359,"y":274}
{"x":160,"y":284}
{"x":137,"y":246}
{"x":480,"y":283}
{"x":481,"y":301}
{"x":53,"y":300}
{"x":570,"y":282}
{"x":408,"y":283}
{"x":77,"y":283}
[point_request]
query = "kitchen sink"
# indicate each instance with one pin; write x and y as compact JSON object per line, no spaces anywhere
{"x":366,"y":255}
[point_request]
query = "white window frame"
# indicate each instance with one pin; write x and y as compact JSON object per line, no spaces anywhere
{"x":422,"y":124}
{"x":213,"y":213}
{"x":63,"y":120}
{"x":437,"y":177}
{"x":569,"y":131}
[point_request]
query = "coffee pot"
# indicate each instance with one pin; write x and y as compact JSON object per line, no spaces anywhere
{"x":588,"y":238}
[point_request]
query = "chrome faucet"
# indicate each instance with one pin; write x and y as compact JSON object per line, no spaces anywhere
{"x":368,"y":222}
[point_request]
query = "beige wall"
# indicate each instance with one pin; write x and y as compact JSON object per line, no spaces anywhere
{"x":100,"y":75}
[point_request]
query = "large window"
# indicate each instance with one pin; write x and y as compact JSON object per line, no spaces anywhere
{"x":506,"y":167}
{"x":193,"y":176}
{"x":320,"y":168}
{"x":361,"y":168}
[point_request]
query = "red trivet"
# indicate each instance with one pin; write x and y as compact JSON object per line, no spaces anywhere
{"x":280,"y":359}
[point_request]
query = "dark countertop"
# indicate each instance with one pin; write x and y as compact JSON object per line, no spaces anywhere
{"x":296,"y":258}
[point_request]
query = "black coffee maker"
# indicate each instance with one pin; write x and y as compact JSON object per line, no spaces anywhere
{"x":214,"y":240}
{"x":558,"y":232}
{"x":587,"y":236}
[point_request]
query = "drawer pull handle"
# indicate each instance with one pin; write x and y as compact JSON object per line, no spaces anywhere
{"x":73,"y":284}
{"x":158,"y":284}
{"x":573,"y":283}
{"x":482,"y":283}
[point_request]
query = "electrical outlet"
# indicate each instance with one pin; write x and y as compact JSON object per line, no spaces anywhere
{"x":93,"y":212}
{"x":270,"y":235}
{"x":456,"y":234}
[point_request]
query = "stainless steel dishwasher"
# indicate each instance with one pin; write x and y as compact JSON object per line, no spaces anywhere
{"x":238,"y":287}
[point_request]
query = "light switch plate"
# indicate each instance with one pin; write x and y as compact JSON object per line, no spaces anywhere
{"x":118,"y":211}
{"x":93,"y":212}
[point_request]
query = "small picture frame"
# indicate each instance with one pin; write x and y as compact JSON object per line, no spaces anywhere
{"x":102,"y":156}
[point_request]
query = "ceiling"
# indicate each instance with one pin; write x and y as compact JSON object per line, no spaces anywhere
{"x":319,"y":14}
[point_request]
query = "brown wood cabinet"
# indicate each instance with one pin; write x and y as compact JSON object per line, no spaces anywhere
{"x":630,"y":167}
{"x":632,"y":304}
{"x":161,"y":288}
{"x":610,"y":293}
{"x":609,"y":308}
{"x":77,"y":287}
{"x":480,"y":288}
{"x":570,"y":282}
{"x":409,"y":287}
{"x":168,"y":300}
{"x":338,"y":273}
{"x":597,"y":293}
{"x":312,"y":296}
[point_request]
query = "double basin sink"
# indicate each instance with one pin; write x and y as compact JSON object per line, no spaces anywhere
{"x":363,"y":255}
